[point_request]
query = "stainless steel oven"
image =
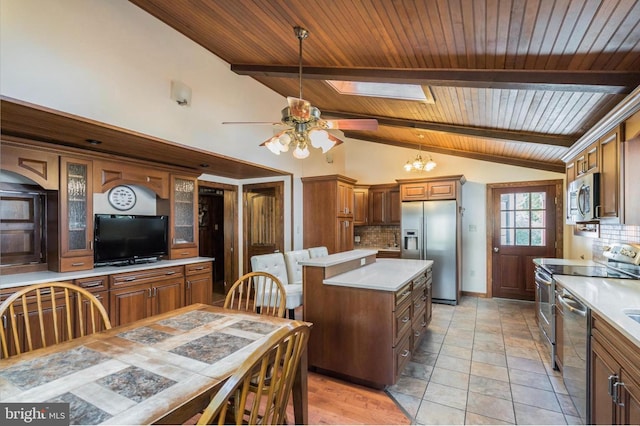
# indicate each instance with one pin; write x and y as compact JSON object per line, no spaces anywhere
{"x":546,"y":290}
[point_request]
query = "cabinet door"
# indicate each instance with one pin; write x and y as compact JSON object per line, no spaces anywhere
{"x":609,"y":175}
{"x":344,"y":234}
{"x":183,"y":218}
{"x":167,"y":295}
{"x":199,"y":289}
{"x":631,"y":400}
{"x":130,"y":304}
{"x":394,"y":207}
{"x":591,"y":156}
{"x":414,"y":191}
{"x":76,"y":211}
{"x":603,"y":366}
{"x":571,"y":172}
{"x":441,"y":190}
{"x":39,"y":166}
{"x":360,"y":206}
{"x":378,"y":202}
{"x":345,"y":199}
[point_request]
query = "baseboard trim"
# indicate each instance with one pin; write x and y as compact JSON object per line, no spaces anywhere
{"x":474,"y":294}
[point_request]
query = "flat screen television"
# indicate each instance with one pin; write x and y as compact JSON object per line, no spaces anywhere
{"x":127,"y":239}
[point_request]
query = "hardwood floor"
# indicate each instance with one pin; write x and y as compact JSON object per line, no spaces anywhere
{"x":332,"y":401}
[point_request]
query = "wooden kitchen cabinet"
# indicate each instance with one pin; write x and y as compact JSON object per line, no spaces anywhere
{"x":609,"y":169}
{"x":615,"y":376}
{"x":40,"y":166}
{"x":198,"y":283}
{"x":631,"y":148}
{"x":325,"y":205}
{"x":384,"y":205}
{"x":75,"y":223}
{"x":442,"y":188}
{"x":140,"y":294}
{"x":183,"y":218}
{"x":99,"y":287}
{"x":361,"y":205}
{"x":109,"y":174}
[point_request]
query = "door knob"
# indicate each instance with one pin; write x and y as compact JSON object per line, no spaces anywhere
{"x":496,"y":249}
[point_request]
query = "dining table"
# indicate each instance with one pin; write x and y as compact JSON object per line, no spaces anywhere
{"x":163,"y":369}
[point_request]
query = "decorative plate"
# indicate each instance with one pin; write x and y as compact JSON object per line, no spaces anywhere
{"x":122,"y":197}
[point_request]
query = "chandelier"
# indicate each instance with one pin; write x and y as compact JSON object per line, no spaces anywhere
{"x":419,"y":164}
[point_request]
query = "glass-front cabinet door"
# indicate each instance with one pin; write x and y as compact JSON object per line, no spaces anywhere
{"x":76,"y":214}
{"x":183,"y":218}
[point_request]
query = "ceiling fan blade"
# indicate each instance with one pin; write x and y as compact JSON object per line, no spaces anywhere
{"x":334,"y":139}
{"x":270,"y":123}
{"x":299,"y":109}
{"x":353,"y":124}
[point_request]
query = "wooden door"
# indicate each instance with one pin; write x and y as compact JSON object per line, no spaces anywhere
{"x":526,"y":224}
{"x":263,"y":220}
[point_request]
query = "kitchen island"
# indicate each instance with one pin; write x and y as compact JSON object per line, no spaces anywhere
{"x":369,"y":314}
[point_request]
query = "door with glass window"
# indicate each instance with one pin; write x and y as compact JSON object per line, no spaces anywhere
{"x":524,"y":227}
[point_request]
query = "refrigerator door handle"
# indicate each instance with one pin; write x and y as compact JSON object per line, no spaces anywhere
{"x":421,"y":240}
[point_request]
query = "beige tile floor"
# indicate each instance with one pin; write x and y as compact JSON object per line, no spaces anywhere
{"x":483,"y":362}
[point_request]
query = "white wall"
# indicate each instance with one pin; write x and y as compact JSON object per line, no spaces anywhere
{"x":110,"y":61}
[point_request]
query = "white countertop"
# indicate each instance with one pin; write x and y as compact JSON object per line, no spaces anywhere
{"x":384,"y":274}
{"x":387,"y":248}
{"x":607,"y":296}
{"x":50,"y":276}
{"x":337,"y":258}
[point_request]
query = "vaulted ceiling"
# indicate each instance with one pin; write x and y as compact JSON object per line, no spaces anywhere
{"x":514,"y":81}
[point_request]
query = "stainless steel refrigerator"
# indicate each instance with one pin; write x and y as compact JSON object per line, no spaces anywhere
{"x":429,"y":231}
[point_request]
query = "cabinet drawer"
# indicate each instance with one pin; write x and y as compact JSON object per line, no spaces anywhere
{"x":93,"y":284}
{"x":418,"y":328}
{"x":402,"y":355}
{"x":148,"y":276}
{"x":80,"y":263}
{"x":403,"y":294}
{"x":184,"y":253}
{"x":198,"y":268}
{"x":402,"y":322}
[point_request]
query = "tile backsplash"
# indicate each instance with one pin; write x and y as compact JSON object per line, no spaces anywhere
{"x":377,"y":236}
{"x":614,"y":234}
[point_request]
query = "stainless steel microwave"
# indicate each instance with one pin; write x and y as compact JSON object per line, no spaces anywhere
{"x":583,"y":198}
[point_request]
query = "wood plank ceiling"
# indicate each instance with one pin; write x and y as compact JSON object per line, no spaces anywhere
{"x":514,"y":81}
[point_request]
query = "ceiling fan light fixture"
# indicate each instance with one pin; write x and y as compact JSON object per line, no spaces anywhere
{"x":320,"y":139}
{"x":301,"y":152}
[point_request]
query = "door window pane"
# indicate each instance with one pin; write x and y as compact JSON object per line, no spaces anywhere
{"x":522,"y":218}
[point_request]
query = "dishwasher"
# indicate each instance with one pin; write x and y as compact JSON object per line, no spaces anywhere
{"x":576,"y":332}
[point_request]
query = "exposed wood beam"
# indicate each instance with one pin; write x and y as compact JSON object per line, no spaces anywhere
{"x":508,"y":135}
{"x":532,"y":164}
{"x":616,"y":82}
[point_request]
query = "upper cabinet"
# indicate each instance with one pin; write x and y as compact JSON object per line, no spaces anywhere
{"x":425,"y":189}
{"x":109,"y":174}
{"x":361,"y":205}
{"x":384,"y":205}
{"x":76,"y":216}
{"x":328,"y":206}
{"x":183,"y":219}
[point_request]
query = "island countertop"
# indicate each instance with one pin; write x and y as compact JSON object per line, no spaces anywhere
{"x":384,"y":274}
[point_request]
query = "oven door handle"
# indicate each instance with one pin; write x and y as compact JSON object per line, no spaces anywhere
{"x":564,"y":302}
{"x":541,"y":279}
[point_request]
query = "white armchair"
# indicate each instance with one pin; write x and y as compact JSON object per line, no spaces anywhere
{"x":274,"y":264}
{"x":318,"y":252}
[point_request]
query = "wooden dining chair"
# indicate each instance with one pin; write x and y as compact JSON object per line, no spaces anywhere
{"x":258,"y":392}
{"x":55,"y":312}
{"x":258,"y":292}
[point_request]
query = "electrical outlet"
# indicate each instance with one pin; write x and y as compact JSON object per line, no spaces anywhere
{"x":363,"y":261}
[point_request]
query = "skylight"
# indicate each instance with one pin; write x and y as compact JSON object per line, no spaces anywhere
{"x":405,"y":92}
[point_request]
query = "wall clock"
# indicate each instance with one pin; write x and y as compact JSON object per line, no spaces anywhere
{"x":122,"y":197}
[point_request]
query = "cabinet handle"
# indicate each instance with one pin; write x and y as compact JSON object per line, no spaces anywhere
{"x":149,"y":289}
{"x":616,"y":394}
{"x":405,"y":353}
{"x":170,"y":272}
{"x":91,"y":284}
{"x":405,"y":319}
{"x":612,"y":379}
{"x":155,"y":291}
{"x":200,"y":268}
{"x":130,"y":279}
{"x":77,"y":264}
{"x":188,"y":284}
{"x":406,"y":293}
{"x":424,"y":324}
{"x":416,"y":333}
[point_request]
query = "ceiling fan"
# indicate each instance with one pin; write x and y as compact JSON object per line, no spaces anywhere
{"x":305,"y":126}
